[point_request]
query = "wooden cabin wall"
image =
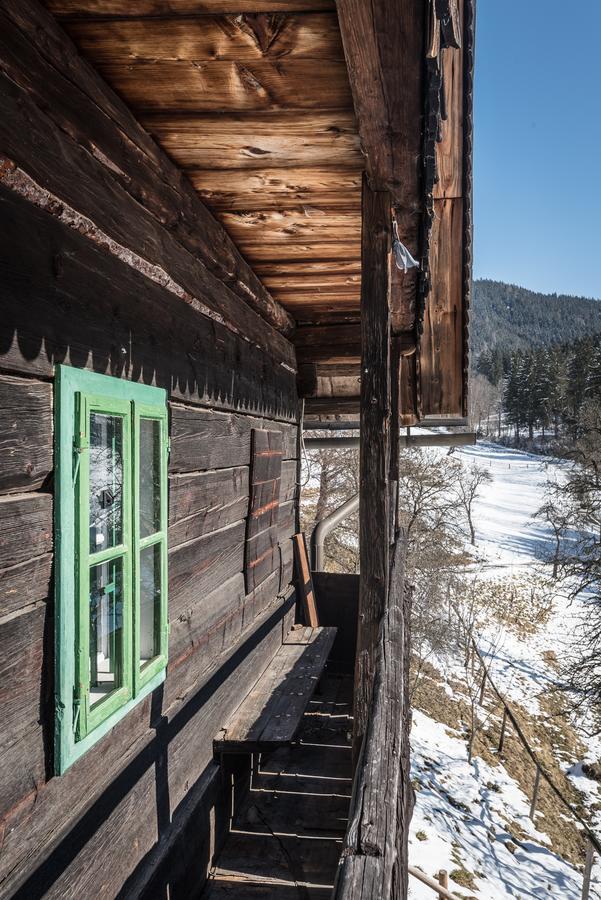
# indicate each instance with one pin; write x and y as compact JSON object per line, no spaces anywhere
{"x":149,"y":794}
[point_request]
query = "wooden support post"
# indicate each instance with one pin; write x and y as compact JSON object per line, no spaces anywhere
{"x":588,"y":867}
{"x":535,"y":793}
{"x":483,"y":686}
{"x":503,"y":727}
{"x":443,"y":880}
{"x":395,"y":439}
{"x":374,"y":452}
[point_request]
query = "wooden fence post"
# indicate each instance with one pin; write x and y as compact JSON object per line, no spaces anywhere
{"x":588,"y":866}
{"x":443,"y":880}
{"x":503,"y":726}
{"x":483,"y":687}
{"x":535,"y":793}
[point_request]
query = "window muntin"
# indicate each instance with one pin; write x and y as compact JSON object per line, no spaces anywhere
{"x":111,"y":510}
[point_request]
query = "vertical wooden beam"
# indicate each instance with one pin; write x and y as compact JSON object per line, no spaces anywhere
{"x":395,"y":424}
{"x":535,"y":793}
{"x":374,"y":509}
{"x":588,"y":868}
{"x":503,"y":728}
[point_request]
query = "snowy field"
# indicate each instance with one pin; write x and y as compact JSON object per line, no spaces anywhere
{"x":473,"y":833}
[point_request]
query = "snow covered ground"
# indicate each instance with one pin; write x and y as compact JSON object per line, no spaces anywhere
{"x":470,"y":831}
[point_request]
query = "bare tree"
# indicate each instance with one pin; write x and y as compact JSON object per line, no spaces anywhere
{"x":467,"y":490}
{"x":574,"y":508}
{"x":331,"y":477}
{"x":557,"y":516}
{"x":485,"y":405}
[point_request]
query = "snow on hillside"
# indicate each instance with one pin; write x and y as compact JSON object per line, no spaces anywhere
{"x":463,"y":810}
{"x":469,"y":832}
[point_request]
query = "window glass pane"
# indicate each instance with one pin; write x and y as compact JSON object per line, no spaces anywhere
{"x":106,"y":481}
{"x":106,"y":628}
{"x":150,"y":476}
{"x":150,"y":602}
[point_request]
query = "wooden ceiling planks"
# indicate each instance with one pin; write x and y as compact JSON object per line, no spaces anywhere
{"x":256,"y":108}
{"x":288,"y":140}
{"x":207,"y":38}
{"x":221,"y":85}
{"x":127,"y":8}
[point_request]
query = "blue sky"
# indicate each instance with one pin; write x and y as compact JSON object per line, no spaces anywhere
{"x":537,"y":151}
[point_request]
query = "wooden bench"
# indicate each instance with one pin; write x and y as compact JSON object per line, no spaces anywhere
{"x":271,"y":713}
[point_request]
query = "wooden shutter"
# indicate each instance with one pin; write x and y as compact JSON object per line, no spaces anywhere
{"x":262,"y":555}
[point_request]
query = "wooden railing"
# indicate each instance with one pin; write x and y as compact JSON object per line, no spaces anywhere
{"x":373,"y":863}
{"x":593,"y":844}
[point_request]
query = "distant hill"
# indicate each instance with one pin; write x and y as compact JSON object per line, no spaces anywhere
{"x":507,"y":316}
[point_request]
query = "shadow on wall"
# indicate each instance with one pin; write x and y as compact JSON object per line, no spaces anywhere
{"x":155,"y":754}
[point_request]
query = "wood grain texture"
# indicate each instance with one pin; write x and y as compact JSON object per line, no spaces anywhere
{"x":373,"y":862}
{"x":25,"y":432}
{"x":25,"y":583}
{"x":206,"y":439}
{"x":57,"y":837}
{"x":25,"y":527}
{"x":93,"y":8}
{"x":271,"y":713}
{"x":255,"y":141}
{"x":334,"y":343}
{"x":264,"y":188}
{"x":304,"y":580}
{"x":204,"y":502}
{"x":51,"y":85}
{"x":235,"y":38}
{"x":374,"y":449}
{"x":449,"y":151}
{"x":441,"y":344}
{"x":383,"y":44}
{"x":88,"y":309}
{"x":199,"y":566}
{"x":224,"y":86}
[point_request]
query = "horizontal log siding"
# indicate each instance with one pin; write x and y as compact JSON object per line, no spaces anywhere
{"x":68,"y":299}
{"x":211,"y":618}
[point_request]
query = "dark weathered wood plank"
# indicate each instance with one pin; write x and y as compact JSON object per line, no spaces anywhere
{"x":373,"y":863}
{"x":86,"y":308}
{"x":106,"y":167}
{"x":305,"y":581}
{"x":261,"y":556}
{"x":62,"y":845}
{"x":441,"y":344}
{"x":271,"y":713}
{"x":199,"y":566}
{"x":205,"y":502}
{"x":205,"y":439}
{"x":374,"y":512}
{"x":25,"y":527}
{"x":449,"y":151}
{"x":266,"y":455}
{"x":332,"y":343}
{"x":25,"y":583}
{"x":225,"y":86}
{"x":288,"y":486}
{"x":384,"y":47}
{"x":25,"y":432}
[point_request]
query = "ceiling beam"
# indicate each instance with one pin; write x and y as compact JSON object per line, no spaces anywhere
{"x":384,"y":48}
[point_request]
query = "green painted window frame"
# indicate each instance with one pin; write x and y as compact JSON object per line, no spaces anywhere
{"x":78,"y":394}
